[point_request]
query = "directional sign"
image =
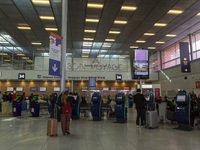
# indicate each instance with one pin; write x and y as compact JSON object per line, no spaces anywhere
{"x":55,"y":54}
{"x":54,"y":67}
{"x":21,"y":75}
{"x":118,"y":77}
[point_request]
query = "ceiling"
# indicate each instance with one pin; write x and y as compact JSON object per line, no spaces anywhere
{"x":18,"y":13}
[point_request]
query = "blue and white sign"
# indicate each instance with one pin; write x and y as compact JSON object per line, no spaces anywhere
{"x":92,"y":82}
{"x":55,"y":54}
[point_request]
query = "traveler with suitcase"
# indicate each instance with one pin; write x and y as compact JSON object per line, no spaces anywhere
{"x":67,"y":103}
{"x":139,"y":101}
{"x":59,"y":107}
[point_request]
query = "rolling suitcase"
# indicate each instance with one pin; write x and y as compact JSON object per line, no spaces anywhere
{"x":24,"y":105}
{"x":151,"y":119}
{"x":52,"y":127}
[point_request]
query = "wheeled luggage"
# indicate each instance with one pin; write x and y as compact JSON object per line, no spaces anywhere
{"x":171,"y":116}
{"x":151,"y":119}
{"x":52,"y":127}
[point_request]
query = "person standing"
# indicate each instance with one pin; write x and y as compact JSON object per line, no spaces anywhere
{"x":140,"y":101}
{"x":67,"y":103}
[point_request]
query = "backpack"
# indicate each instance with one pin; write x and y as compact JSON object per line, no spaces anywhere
{"x":66,"y":108}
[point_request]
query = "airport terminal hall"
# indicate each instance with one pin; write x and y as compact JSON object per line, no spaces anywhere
{"x":99,"y":74}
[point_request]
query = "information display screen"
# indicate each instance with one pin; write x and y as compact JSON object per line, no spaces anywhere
{"x":9,"y":89}
{"x":181,"y":98}
{"x":56,"y":89}
{"x":84,"y":89}
{"x":33,"y":89}
{"x":43,"y":89}
{"x":141,"y":64}
{"x":19,"y":89}
{"x":92,"y":82}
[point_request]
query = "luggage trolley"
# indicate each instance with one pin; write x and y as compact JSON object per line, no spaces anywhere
{"x":35,"y":106}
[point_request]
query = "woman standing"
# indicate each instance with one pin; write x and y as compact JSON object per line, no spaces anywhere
{"x":66,"y":112}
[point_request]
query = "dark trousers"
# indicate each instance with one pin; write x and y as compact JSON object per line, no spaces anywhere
{"x":140,"y":115}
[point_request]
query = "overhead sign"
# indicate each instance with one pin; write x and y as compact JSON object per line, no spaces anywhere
{"x":118,"y":77}
{"x":21,"y":75}
{"x":92,"y":82}
{"x":184,"y":55}
{"x":55,"y":54}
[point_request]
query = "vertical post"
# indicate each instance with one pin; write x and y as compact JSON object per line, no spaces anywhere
{"x":72,"y":86}
{"x":64,"y":44}
{"x":160,"y":60}
{"x":191,"y":48}
{"x":72,"y":59}
{"x":140,"y":85}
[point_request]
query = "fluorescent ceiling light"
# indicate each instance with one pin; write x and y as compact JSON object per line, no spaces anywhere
{"x":91,"y":5}
{"x":140,"y":41}
{"x":160,"y":42}
{"x":46,"y":2}
{"x":134,"y":47}
{"x":172,"y":11}
{"x":5,"y":42}
{"x":24,"y":58}
{"x":40,"y":49}
{"x":103,"y":51}
{"x":87,"y":45}
{"x":24,"y":28}
{"x":20,"y":54}
{"x":90,"y":31}
{"x":36,"y":43}
{"x":114,"y":32}
{"x":106,"y":45}
{"x":7,"y":60}
{"x":7,"y":36}
{"x":115,"y":56}
{"x":130,"y":8}
{"x":120,"y":22}
{"x":198,"y":14}
{"x":45,"y":54}
{"x":171,"y":35}
{"x":149,"y":34}
{"x":47,"y":17}
{"x":101,"y":56}
{"x":23,"y":24}
{"x":51,"y":29}
{"x":85,"y":50}
{"x":4,"y":54}
{"x":160,"y":24}
{"x":85,"y":56}
{"x":88,"y":39}
{"x":151,"y":47}
{"x":29,"y":60}
{"x":92,"y":20}
{"x":111,"y":40}
{"x":94,"y":50}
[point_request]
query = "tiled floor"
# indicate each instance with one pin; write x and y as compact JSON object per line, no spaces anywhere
{"x":30,"y":134}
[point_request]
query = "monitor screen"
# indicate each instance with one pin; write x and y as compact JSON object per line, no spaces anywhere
{"x":92,"y":82}
{"x":66,"y":88}
{"x":43,"y":89}
{"x":84,"y":89}
{"x":19,"y":89}
{"x":181,"y":98}
{"x":141,"y":64}
{"x":33,"y":89}
{"x":56,"y":89}
{"x":9,"y":89}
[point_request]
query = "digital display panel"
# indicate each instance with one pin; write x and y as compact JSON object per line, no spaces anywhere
{"x":66,"y":88}
{"x":56,"y":89}
{"x":33,"y":89}
{"x":9,"y":89}
{"x":92,"y":82}
{"x":181,"y":98}
{"x":141,"y":64}
{"x":19,"y":89}
{"x":84,"y":89}
{"x":43,"y":89}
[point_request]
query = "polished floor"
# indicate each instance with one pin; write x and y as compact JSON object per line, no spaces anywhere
{"x":28,"y":133}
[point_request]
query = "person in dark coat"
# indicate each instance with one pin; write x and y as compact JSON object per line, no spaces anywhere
{"x":140,"y":101}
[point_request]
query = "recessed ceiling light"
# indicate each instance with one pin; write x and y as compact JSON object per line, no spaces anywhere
{"x":140,"y":41}
{"x":20,"y":54}
{"x":87,"y":45}
{"x":45,"y":54}
{"x":85,"y":52}
{"x":160,"y":42}
{"x":24,"y":28}
{"x":103,"y":51}
{"x":120,"y":22}
{"x":172,"y":11}
{"x":92,"y":5}
{"x":34,"y":43}
{"x":90,"y":31}
{"x":134,"y":47}
{"x":40,"y":49}
{"x":130,"y":8}
{"x":151,"y":47}
{"x":149,"y":34}
{"x":106,"y":45}
{"x":24,"y":58}
{"x":5,"y":42}
{"x":47,"y":17}
{"x":7,"y":60}
{"x":46,"y":2}
{"x":29,"y":60}
{"x":111,"y":40}
{"x":85,"y":56}
{"x":88,"y":39}
{"x":198,"y":14}
{"x":4,"y":54}
{"x":51,"y":29}
{"x":92,"y":20}
{"x":160,"y":24}
{"x":171,"y":35}
{"x":114,"y":32}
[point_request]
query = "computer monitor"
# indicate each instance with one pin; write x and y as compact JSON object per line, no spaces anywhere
{"x":181,"y":98}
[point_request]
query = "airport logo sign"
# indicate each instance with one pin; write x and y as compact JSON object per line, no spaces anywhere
{"x":118,"y":77}
{"x":21,"y":75}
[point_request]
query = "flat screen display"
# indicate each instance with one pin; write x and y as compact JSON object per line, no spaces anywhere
{"x":33,"y":89}
{"x":105,"y":88}
{"x":92,"y":82}
{"x":19,"y":89}
{"x":141,"y":64}
{"x":181,"y":98}
{"x":43,"y":89}
{"x":84,"y":89}
{"x":56,"y":89}
{"x":66,"y":88}
{"x":9,"y":89}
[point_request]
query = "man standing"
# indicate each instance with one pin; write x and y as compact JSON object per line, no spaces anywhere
{"x":140,"y":101}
